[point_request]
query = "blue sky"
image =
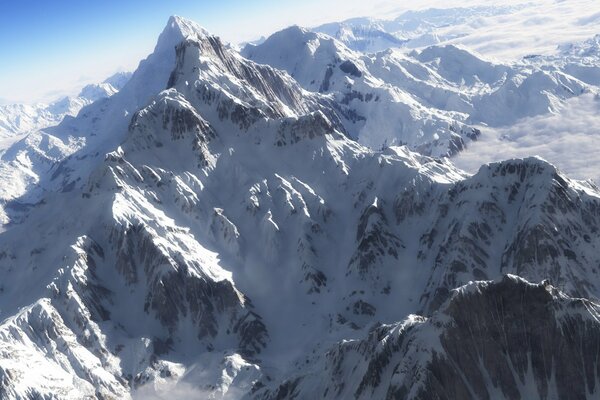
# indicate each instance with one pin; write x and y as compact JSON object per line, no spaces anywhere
{"x":49,"y":48}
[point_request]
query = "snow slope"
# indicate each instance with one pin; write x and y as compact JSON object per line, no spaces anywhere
{"x":211,"y":230}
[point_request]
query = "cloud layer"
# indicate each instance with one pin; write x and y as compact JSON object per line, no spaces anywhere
{"x":569,"y":139}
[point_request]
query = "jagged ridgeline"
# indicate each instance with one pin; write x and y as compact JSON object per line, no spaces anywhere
{"x":213,"y":230}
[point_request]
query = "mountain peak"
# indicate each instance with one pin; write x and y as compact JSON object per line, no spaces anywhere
{"x":185,"y":26}
{"x":293,"y":33}
{"x":177,"y":30}
{"x":534,"y":163}
{"x":298,"y":30}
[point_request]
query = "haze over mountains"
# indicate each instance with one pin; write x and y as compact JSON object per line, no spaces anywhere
{"x":16,"y":119}
{"x":287,"y":222}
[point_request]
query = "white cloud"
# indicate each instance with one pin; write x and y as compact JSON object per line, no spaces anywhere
{"x":570,"y":139}
{"x":182,"y":391}
{"x":533,"y":27}
{"x":536,"y":28}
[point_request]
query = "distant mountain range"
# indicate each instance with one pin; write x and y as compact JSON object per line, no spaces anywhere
{"x":17,"y":119}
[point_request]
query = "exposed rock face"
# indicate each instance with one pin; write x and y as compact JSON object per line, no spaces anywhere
{"x":491,"y":341}
{"x":375,"y":243}
{"x":175,"y":292}
{"x":535,"y":226}
{"x":310,"y":126}
{"x":508,"y":339}
{"x":270,"y":85}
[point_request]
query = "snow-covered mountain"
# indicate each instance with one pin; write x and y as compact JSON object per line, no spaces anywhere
{"x":375,"y":110}
{"x":411,"y":29}
{"x":212,"y":231}
{"x":435,"y":100}
{"x":490,"y":340}
{"x":16,"y":119}
{"x":580,"y":60}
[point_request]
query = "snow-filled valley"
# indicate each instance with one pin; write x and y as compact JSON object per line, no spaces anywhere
{"x":334,"y":212}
